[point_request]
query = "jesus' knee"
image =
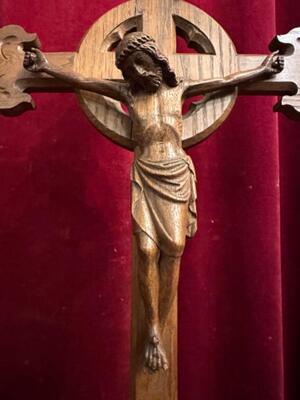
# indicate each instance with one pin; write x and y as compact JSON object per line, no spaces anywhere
{"x":176,"y":247}
{"x":147,"y":249}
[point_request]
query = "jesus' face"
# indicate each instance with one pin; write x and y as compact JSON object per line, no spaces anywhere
{"x":143,"y":71}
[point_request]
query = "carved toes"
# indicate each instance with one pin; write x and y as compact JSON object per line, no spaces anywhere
{"x":155,"y":358}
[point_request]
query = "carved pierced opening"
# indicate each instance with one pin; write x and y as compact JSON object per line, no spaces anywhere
{"x":182,"y":45}
{"x":124,"y":108}
{"x":113,"y":38}
{"x":190,"y":103}
{"x":190,"y":39}
{"x":118,"y":39}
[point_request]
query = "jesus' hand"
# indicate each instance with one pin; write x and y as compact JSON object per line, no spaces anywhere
{"x":35,"y":61}
{"x":273,"y":64}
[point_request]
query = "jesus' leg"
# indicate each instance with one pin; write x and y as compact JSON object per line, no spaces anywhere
{"x":148,"y":278}
{"x":169,"y":262}
{"x":169,"y":268}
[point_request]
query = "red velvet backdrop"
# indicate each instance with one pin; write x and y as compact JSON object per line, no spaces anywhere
{"x":65,"y":236}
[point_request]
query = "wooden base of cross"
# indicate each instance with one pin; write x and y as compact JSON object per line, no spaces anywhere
{"x":217,"y":58}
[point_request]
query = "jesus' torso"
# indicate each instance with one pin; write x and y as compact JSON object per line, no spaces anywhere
{"x":157,"y":124}
{"x":163,"y":177}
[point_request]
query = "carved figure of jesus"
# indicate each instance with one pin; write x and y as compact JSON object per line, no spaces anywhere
{"x":163,"y":176}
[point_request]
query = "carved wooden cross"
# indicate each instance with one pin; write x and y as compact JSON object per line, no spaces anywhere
{"x":217,"y":58}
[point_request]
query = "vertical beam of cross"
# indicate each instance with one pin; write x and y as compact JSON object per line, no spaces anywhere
{"x":159,"y":24}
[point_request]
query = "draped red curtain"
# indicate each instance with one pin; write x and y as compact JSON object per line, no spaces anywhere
{"x":65,"y":238}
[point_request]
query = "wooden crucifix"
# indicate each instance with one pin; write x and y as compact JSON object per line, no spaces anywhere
{"x":145,"y":73}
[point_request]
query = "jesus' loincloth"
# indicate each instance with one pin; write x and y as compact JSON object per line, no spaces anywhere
{"x":164,"y":201}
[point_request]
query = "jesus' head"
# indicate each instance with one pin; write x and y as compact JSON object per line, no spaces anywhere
{"x":142,"y":64}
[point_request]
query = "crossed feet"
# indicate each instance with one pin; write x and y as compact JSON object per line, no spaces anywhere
{"x":155,"y":356}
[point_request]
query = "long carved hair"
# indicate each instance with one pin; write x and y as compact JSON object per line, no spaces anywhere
{"x":139,"y":41}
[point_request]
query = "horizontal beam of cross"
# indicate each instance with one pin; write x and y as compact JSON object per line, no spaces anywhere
{"x":27,"y":81}
{"x":277,"y":85}
{"x":15,"y":81}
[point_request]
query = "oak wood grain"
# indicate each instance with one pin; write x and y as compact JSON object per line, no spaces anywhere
{"x":217,"y":59}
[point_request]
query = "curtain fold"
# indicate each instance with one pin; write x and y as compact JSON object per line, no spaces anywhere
{"x":288,"y":15}
{"x":65,"y":236}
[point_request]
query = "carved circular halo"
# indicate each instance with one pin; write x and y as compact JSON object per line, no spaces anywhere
{"x":96,"y":59}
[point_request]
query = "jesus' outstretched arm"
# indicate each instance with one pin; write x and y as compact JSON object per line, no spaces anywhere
{"x":36,"y":61}
{"x":273,"y":64}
